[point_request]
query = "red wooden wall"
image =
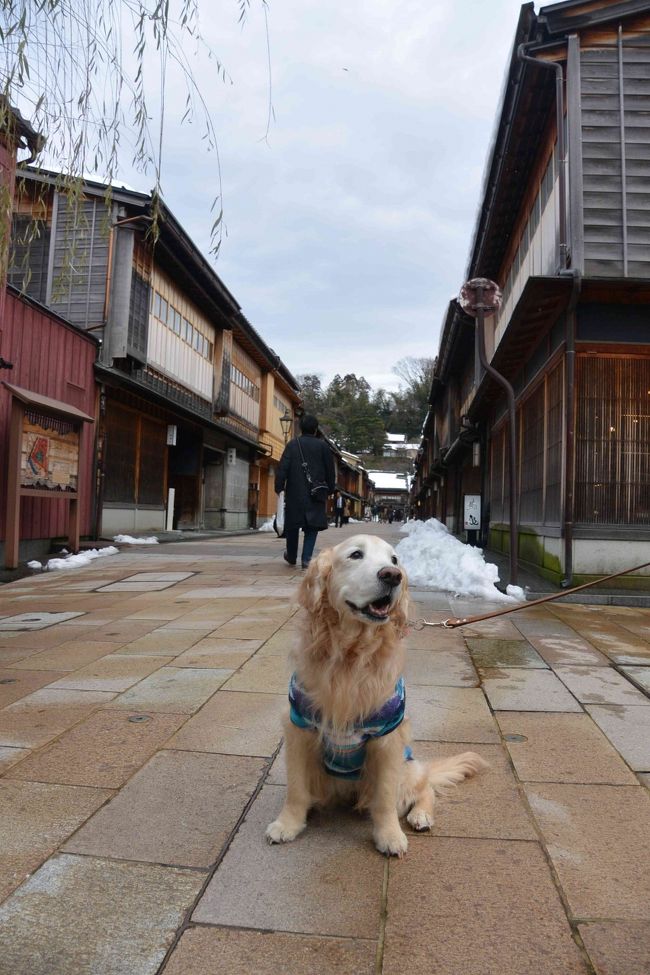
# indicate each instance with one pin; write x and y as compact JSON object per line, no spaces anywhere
{"x":54,"y":359}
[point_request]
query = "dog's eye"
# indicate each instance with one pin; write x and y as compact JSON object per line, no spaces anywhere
{"x":357,"y":554}
{"x":394,"y":560}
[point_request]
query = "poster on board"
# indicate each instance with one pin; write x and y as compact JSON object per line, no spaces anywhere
{"x":50,"y":454}
{"x":472,"y":512}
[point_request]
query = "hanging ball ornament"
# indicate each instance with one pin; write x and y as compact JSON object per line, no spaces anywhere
{"x":490,"y":301}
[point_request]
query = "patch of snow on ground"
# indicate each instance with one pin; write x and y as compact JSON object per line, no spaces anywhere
{"x":434,"y":558}
{"x":130,"y":540}
{"x":80,"y":560}
{"x":267,"y":526}
{"x":34,"y":565}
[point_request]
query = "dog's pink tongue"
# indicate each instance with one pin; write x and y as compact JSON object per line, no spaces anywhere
{"x":378,"y":610}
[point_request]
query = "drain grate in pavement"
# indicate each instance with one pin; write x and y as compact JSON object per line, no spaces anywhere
{"x":33,"y":621}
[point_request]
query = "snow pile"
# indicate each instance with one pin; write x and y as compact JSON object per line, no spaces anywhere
{"x":267,"y":526}
{"x":433,"y":558}
{"x":75,"y":561}
{"x":130,"y":540}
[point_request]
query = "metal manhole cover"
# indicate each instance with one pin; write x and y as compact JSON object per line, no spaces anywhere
{"x":138,"y":718}
{"x":34,"y":621}
{"x":515,"y":738}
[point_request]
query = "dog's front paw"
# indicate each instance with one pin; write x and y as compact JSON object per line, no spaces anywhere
{"x":392,"y":842}
{"x":420,"y":819}
{"x":282,"y":832}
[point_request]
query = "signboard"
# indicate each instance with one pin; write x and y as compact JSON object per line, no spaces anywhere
{"x":172,"y":432}
{"x":49,"y":455}
{"x":472,"y":512}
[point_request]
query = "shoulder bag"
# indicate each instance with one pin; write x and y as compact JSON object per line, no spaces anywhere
{"x":318,"y":490}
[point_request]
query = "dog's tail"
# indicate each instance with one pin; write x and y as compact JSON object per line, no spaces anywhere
{"x":443,"y":774}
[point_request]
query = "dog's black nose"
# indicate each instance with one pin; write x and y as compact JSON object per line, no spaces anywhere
{"x":391,"y":576}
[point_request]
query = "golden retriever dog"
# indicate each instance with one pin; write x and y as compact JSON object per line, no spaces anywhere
{"x":345,"y":734}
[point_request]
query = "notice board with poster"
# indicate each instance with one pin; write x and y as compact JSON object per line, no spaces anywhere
{"x":44,"y":460}
{"x":49,"y":454}
{"x":472,"y":512}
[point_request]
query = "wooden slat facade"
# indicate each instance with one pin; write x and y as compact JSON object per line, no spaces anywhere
{"x":54,"y":360}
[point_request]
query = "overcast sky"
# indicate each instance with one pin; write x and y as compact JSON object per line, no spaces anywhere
{"x":348,"y":228}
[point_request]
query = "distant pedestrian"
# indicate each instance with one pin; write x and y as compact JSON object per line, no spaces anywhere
{"x":306,"y":475}
{"x":338,"y":510}
{"x":346,"y":513}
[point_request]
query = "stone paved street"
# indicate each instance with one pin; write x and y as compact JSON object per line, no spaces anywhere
{"x":140,"y":763}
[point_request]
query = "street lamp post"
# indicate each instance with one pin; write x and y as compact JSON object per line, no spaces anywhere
{"x":480,"y":298}
{"x":286,"y":422}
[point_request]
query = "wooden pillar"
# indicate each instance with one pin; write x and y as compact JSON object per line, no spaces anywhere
{"x":12,"y":540}
{"x":74,"y":525}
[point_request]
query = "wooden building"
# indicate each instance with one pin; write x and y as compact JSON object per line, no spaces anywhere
{"x":186,"y":384}
{"x":47,"y":400}
{"x":565,"y":232}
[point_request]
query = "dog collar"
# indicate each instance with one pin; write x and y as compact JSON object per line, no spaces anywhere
{"x":344,"y":752}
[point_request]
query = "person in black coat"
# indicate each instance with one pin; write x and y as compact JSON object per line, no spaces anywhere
{"x":302,"y":510}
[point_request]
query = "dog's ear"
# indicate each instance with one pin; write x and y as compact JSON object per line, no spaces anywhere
{"x":400,"y":613}
{"x":312,"y":594}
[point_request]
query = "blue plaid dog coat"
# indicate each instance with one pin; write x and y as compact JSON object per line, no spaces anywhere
{"x":344,"y":753}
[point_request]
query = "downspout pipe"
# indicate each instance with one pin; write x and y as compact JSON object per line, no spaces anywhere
{"x":512,"y":418}
{"x":570,"y":413}
{"x":561,"y":151}
{"x":478,"y":298}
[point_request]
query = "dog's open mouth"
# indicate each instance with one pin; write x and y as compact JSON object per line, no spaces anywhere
{"x":379,"y":609}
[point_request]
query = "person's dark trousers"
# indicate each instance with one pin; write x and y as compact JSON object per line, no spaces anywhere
{"x":338,"y":518}
{"x":291,"y":538}
{"x":308,"y":545}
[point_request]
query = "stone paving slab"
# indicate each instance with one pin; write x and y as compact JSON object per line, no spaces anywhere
{"x":178,"y":690}
{"x":223,"y":951}
{"x":8,"y":657}
{"x":45,"y":714}
{"x":618,"y":947}
{"x":600,"y":685}
{"x":264,"y":674}
{"x":179,"y":809}
{"x":450,"y":714}
{"x":82,"y":916}
{"x":169,"y":643}
{"x":476,"y":907}
{"x":68,"y":656}
{"x":9,"y":756}
{"x":488,"y":805}
{"x":115,"y":672}
{"x":491,"y":653}
{"x":235,"y":723}
{"x":123,"y":631}
{"x":103,"y":751}
{"x":561,"y":748}
{"x":16,"y":684}
{"x":602,"y":868}
{"x":449,"y":668}
{"x":496,"y":629}
{"x":640,"y":676}
{"x":434,"y":639}
{"x":569,"y":651}
{"x":628,"y":729}
{"x":226,"y":654}
{"x":327,"y":882}
{"x":248,"y":629}
{"x":35,"y":818}
{"x":513,"y":689}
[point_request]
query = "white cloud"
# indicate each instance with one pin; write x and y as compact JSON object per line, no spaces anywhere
{"x":349,"y":228}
